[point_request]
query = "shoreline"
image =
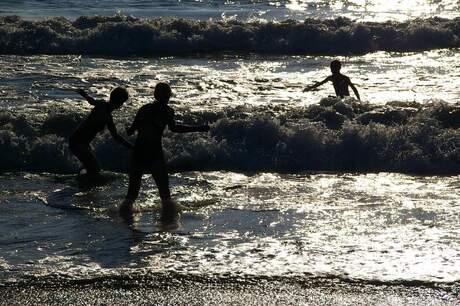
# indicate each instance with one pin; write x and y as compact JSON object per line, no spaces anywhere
{"x":190,"y":290}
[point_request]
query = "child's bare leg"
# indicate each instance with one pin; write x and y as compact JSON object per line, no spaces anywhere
{"x":135,"y":179}
{"x":160,"y":175}
{"x":86,"y":157}
{"x":169,"y":209}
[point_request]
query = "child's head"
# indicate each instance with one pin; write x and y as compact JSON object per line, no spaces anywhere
{"x":118,"y":96}
{"x":162,"y":92}
{"x":335,"y":66}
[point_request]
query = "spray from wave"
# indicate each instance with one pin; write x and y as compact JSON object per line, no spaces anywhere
{"x":126,"y":36}
{"x":333,"y":135}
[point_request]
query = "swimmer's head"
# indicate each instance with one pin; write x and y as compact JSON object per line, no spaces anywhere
{"x":118,"y":96}
{"x":335,"y":66}
{"x":162,"y":92}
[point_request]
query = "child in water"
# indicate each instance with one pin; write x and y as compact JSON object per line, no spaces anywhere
{"x":150,"y":123}
{"x":97,"y":120}
{"x":340,"y":81}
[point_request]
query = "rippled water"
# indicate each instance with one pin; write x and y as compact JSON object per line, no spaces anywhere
{"x":374,"y":10}
{"x":211,"y":83}
{"x":386,"y":227}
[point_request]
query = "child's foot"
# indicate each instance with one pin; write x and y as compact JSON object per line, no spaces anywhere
{"x":170,"y":211}
{"x":126,"y":207}
{"x":84,"y":172}
{"x":95,"y":175}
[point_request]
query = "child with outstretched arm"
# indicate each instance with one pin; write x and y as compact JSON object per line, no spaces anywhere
{"x":340,"y":82}
{"x":150,"y":123}
{"x":99,"y":118}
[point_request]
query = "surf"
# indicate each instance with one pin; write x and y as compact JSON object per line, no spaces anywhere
{"x":121,"y":35}
{"x":333,"y":135}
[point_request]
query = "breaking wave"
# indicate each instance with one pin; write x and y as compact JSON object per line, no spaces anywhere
{"x":333,"y":135}
{"x":125,"y":36}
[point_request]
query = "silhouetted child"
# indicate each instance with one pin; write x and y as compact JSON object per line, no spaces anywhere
{"x":340,"y":81}
{"x":148,"y":157}
{"x":99,"y":118}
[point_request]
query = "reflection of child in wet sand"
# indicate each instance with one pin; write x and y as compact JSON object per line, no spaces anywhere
{"x":340,"y":81}
{"x":150,"y":122}
{"x":97,"y":120}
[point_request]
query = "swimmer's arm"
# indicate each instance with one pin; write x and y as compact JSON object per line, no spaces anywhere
{"x":90,"y":100}
{"x":317,"y":84}
{"x":354,"y":89}
{"x":116,"y":136}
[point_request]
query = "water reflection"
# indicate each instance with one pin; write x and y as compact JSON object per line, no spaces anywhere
{"x":371,"y":226}
{"x":372,"y":10}
{"x":218,"y":82}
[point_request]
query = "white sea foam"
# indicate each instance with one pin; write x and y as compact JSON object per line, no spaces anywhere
{"x":333,"y":136}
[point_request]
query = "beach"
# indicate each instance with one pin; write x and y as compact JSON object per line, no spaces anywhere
{"x":162,"y":290}
{"x":293,"y":197}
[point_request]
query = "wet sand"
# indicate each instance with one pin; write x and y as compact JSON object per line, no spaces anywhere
{"x":222,"y":292}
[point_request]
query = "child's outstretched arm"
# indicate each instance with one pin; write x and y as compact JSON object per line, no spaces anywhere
{"x":182,"y":128}
{"x":116,"y":136}
{"x":317,"y":84}
{"x":90,"y":100}
{"x":354,"y":90}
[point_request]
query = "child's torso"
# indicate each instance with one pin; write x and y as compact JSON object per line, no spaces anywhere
{"x":153,"y":119}
{"x":94,"y":123}
{"x":340,"y":83}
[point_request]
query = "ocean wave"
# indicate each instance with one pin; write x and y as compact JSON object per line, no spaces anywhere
{"x":127,"y":36}
{"x":333,"y":135}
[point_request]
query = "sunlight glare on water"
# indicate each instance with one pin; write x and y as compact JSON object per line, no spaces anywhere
{"x":215,"y":83}
{"x":369,"y":10}
{"x":382,"y":226}
{"x":270,"y":217}
{"x":376,"y":10}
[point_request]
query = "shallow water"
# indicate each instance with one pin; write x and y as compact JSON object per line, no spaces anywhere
{"x":386,"y":227}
